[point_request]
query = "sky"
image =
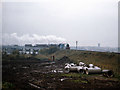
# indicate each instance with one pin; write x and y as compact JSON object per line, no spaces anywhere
{"x":60,"y":21}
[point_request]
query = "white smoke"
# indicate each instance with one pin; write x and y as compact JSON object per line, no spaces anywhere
{"x":10,"y":39}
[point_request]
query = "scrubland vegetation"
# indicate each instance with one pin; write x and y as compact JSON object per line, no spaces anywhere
{"x":105,"y":60}
{"x":36,"y":69}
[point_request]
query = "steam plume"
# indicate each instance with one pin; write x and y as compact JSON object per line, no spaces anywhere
{"x":8,"y":39}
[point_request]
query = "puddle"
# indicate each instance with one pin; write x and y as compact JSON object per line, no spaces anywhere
{"x":54,"y":71}
{"x":57,"y":71}
{"x":47,"y":66}
{"x":14,"y":68}
{"x":47,"y":63}
{"x":52,"y":62}
{"x":62,"y":79}
{"x":36,"y":71}
{"x":60,"y":71}
{"x":25,"y":67}
{"x":33,"y":85}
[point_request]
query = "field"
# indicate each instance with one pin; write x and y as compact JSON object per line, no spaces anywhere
{"x":40,"y":72}
{"x":105,"y":60}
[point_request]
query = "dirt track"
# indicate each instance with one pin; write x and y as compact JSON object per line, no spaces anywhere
{"x":36,"y":74}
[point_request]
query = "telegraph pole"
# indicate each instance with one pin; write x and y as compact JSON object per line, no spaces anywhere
{"x":76,"y":44}
{"x":98,"y":44}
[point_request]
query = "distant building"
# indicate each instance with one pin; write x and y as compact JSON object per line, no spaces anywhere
{"x":61,"y":46}
{"x":54,"y":45}
{"x":8,"y":49}
{"x":40,"y":46}
{"x":27,"y":48}
{"x":28,"y":45}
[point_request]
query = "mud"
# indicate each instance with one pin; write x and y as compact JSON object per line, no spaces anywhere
{"x":45,"y":75}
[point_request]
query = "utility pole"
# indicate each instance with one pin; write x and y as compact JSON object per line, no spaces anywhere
{"x":98,"y":44}
{"x":76,"y":44}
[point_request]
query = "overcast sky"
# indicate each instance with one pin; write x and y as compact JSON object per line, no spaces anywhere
{"x":54,"y":21}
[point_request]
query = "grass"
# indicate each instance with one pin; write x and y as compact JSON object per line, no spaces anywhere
{"x":76,"y":77}
{"x":7,"y":85}
{"x":105,"y":60}
{"x":117,"y":76}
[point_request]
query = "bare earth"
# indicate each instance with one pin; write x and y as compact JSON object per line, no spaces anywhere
{"x":44,"y":75}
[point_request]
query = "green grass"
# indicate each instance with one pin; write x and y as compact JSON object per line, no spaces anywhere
{"x":117,"y":76}
{"x":7,"y":86}
{"x":105,"y":60}
{"x":76,"y":77}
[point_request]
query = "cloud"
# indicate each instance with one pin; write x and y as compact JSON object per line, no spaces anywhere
{"x":10,"y":39}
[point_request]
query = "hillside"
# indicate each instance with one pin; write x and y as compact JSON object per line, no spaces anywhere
{"x":38,"y":71}
{"x":105,"y":60}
